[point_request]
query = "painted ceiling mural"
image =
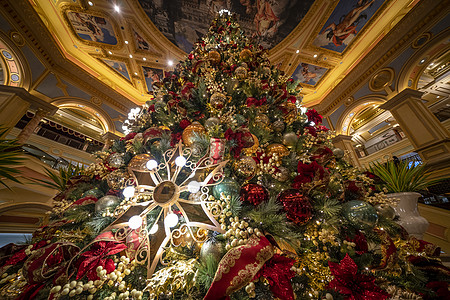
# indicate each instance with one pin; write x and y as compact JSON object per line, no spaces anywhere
{"x":183,"y":22}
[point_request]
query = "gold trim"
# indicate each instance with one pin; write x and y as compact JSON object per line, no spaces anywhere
{"x":117,"y":58}
{"x":133,"y":26}
{"x":386,"y":84}
{"x":427,"y":35}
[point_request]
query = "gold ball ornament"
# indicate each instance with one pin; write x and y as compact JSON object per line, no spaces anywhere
{"x":278,"y":149}
{"x":217,"y":100}
{"x":262,"y":120}
{"x":283,"y":174}
{"x":290,"y":139}
{"x":245,"y":167}
{"x":266,"y":71}
{"x":290,"y":111}
{"x":191,"y":131}
{"x":116,"y":179}
{"x":211,"y":122}
{"x":214,"y":56}
{"x":251,"y":150}
{"x":278,"y":126}
{"x":241,"y":73}
{"x":245,"y":55}
{"x":139,"y":162}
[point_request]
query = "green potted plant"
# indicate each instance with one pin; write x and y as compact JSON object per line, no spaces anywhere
{"x":402,"y":180}
{"x":10,"y":158}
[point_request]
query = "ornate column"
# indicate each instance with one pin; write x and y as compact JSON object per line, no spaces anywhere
{"x":345,"y":143}
{"x":109,"y":137}
{"x":429,"y":138}
{"x":31,"y":126}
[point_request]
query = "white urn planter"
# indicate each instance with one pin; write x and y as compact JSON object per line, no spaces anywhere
{"x":410,"y":218}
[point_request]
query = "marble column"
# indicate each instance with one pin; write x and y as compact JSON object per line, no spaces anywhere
{"x":429,"y":138}
{"x":345,"y":143}
{"x":31,"y":126}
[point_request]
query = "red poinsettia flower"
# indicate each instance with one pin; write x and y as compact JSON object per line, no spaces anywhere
{"x":361,"y":242}
{"x":97,"y":256}
{"x":307,"y":173}
{"x":129,"y":136}
{"x":176,"y":137}
{"x":314,"y":116}
{"x":184,"y":123}
{"x":352,"y":285}
{"x":311,"y":130}
{"x":278,"y":272}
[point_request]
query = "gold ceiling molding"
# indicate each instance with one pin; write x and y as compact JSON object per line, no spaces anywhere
{"x":357,"y":77}
{"x":382,"y":80}
{"x":412,"y":69}
{"x":116,"y":58}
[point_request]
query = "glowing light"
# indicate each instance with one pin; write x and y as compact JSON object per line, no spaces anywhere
{"x":180,"y":161}
{"x":109,"y":52}
{"x":131,"y":56}
{"x":193,"y":187}
{"x":128,"y":192}
{"x":297,"y":51}
{"x":135,"y":222}
{"x":144,"y":59}
{"x":90,"y":3}
{"x":117,"y":8}
{"x":126,"y":42}
{"x":154,"y":229}
{"x":170,"y":62}
{"x":315,"y":55}
{"x":312,"y":123}
{"x":151,"y":164}
{"x":171,"y":220}
{"x":224,"y":11}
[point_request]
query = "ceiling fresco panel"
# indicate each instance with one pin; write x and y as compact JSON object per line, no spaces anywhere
{"x":183,"y":22}
{"x":308,"y":73}
{"x":345,"y":22}
{"x":152,"y":75}
{"x":92,"y":28}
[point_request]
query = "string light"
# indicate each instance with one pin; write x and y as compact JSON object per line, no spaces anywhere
{"x":193,"y":187}
{"x":117,"y":8}
{"x":154,"y":229}
{"x":171,"y":220}
{"x":170,"y":62}
{"x":180,"y":161}
{"x":135,"y":222}
{"x":151,"y":164}
{"x":128,"y":192}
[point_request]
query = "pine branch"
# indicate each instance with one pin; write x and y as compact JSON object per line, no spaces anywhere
{"x":206,"y":272}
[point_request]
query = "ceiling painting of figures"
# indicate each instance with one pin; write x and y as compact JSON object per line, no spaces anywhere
{"x":183,"y":22}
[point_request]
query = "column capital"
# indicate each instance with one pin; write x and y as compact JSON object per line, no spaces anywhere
{"x":110,"y":136}
{"x":404,"y":95}
{"x":34,"y":102}
{"x":342,"y":138}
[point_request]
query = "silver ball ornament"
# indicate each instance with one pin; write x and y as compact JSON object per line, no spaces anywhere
{"x":116,"y":160}
{"x":290,"y":139}
{"x":338,"y":152}
{"x":211,"y":122}
{"x":106,"y":202}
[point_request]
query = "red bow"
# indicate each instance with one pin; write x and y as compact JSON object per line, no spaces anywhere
{"x":90,"y":260}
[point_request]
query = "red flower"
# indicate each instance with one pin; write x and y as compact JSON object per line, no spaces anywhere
{"x":129,"y":136}
{"x":311,"y":130}
{"x":313,"y":116}
{"x":186,"y":91}
{"x":440,"y":288}
{"x":322,"y":154}
{"x":184,"y":123}
{"x":255,"y":102}
{"x":352,"y":285}
{"x":361,"y":242}
{"x":293,"y":99}
{"x":151,"y":108}
{"x":175,"y":139}
{"x":322,"y":128}
{"x":278,"y":273}
{"x":307,"y":173}
{"x":89,"y":261}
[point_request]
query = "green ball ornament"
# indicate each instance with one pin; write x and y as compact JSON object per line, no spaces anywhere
{"x":228,"y":186}
{"x":106,"y":202}
{"x":361,"y":214}
{"x":212,"y":248}
{"x":385,"y":210}
{"x":95,"y":192}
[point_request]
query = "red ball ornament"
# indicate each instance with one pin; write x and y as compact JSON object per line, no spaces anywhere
{"x":297,"y":206}
{"x":254,"y":194}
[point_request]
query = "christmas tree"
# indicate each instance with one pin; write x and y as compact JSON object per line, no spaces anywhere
{"x":224,"y":186}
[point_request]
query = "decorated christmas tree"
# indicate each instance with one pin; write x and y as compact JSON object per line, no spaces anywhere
{"x":224,"y":186}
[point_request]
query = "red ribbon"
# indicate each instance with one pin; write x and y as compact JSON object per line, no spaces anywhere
{"x":89,"y":261}
{"x":238,"y":267}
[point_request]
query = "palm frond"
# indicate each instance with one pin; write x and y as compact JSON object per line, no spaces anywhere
{"x":10,"y":158}
{"x":58,"y":181}
{"x":403,"y":176}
